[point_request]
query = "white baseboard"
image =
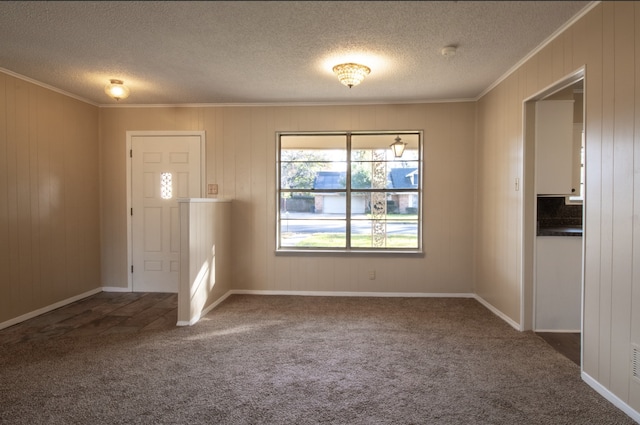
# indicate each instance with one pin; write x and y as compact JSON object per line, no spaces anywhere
{"x":204,"y":312}
{"x":48,"y":308}
{"x":498,"y":313}
{"x":115,"y":289}
{"x":566,"y":331}
{"x":321,"y":294}
{"x":615,"y":400}
{"x":352,"y":294}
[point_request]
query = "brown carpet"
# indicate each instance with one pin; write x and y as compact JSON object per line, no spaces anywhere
{"x":304,"y":360}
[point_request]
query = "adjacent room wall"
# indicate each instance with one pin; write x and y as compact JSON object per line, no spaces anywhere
{"x":607,"y":42}
{"x":49,"y":198}
{"x":241,"y":152}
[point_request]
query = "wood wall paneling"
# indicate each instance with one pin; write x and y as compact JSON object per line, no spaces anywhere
{"x":593,"y":186}
{"x":634,"y":387}
{"x":245,"y":139}
{"x":622,"y":191}
{"x":606,"y":198}
{"x":5,"y":261}
{"x":605,"y":41}
{"x":50,"y":212}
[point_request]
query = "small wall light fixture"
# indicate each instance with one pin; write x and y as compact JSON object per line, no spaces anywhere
{"x":351,"y":74}
{"x":398,"y":147}
{"x":117,"y":90}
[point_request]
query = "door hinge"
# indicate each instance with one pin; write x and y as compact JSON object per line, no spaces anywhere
{"x":131,"y":269}
{"x":130,"y":153}
{"x":131,"y":211}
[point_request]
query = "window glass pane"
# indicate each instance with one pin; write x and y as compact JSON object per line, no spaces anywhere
{"x":385,"y":175}
{"x":365,"y":146}
{"x":313,"y":206}
{"x":395,"y":205}
{"x":310,"y":160}
{"x":309,"y":233}
{"x":402,"y":205}
{"x":166,"y":186}
{"x":297,"y":202}
{"x":313,"y":175}
{"x":393,"y":234}
{"x":317,"y":142}
{"x":385,"y":220}
{"x":404,"y":175}
{"x":361,"y":175}
{"x":388,"y":205}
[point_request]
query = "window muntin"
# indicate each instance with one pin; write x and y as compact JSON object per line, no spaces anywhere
{"x":375,"y":207}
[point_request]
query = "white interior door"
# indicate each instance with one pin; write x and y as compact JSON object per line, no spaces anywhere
{"x":163,"y":169}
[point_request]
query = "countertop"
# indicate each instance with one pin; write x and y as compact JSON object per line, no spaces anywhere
{"x":560,"y":231}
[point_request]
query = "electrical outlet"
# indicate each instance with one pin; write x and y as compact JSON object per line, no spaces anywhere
{"x":212,"y":189}
{"x":372,"y":275}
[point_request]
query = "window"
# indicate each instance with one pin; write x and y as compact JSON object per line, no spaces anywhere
{"x":166,"y":187}
{"x":347,"y":192}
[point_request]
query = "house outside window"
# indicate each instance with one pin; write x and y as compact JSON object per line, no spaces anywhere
{"x":347,"y":192}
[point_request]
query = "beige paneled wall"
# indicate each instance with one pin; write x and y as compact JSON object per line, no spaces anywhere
{"x":49,"y":198}
{"x":241,"y":160}
{"x":607,"y":42}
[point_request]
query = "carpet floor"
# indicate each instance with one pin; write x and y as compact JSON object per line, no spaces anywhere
{"x":304,"y":360}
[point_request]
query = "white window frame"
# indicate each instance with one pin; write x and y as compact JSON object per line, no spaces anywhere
{"x":348,"y":249}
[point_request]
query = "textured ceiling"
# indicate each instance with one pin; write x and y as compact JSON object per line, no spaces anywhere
{"x":270,"y":52}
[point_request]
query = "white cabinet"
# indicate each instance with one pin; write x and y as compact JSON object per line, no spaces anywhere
{"x":558,"y":289}
{"x":555,"y":148}
{"x":577,"y":164}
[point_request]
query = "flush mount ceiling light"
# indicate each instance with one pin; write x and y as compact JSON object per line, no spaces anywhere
{"x":398,"y":147}
{"x":117,"y":90}
{"x":351,"y":74}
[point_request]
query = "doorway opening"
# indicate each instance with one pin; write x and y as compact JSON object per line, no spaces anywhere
{"x":553,"y":214}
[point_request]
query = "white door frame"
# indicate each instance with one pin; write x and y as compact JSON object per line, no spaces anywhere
{"x":203,"y":179}
{"x":529,"y":218}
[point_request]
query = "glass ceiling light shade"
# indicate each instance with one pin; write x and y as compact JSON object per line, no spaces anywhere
{"x":117,"y":90}
{"x":398,"y":147}
{"x":351,"y":74}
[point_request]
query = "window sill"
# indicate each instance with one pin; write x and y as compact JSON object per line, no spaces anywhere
{"x":349,"y":253}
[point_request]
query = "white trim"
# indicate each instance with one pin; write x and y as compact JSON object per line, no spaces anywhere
{"x":48,"y":308}
{"x":574,"y":331}
{"x":357,"y":294}
{"x":128,"y":147}
{"x":541,"y":46}
{"x":615,"y":400}
{"x":46,"y":86}
{"x":115,"y":289}
{"x":201,"y":200}
{"x":498,"y":313}
{"x":285,"y":104}
{"x":353,"y":294}
{"x":205,"y":311}
{"x":560,"y":84}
